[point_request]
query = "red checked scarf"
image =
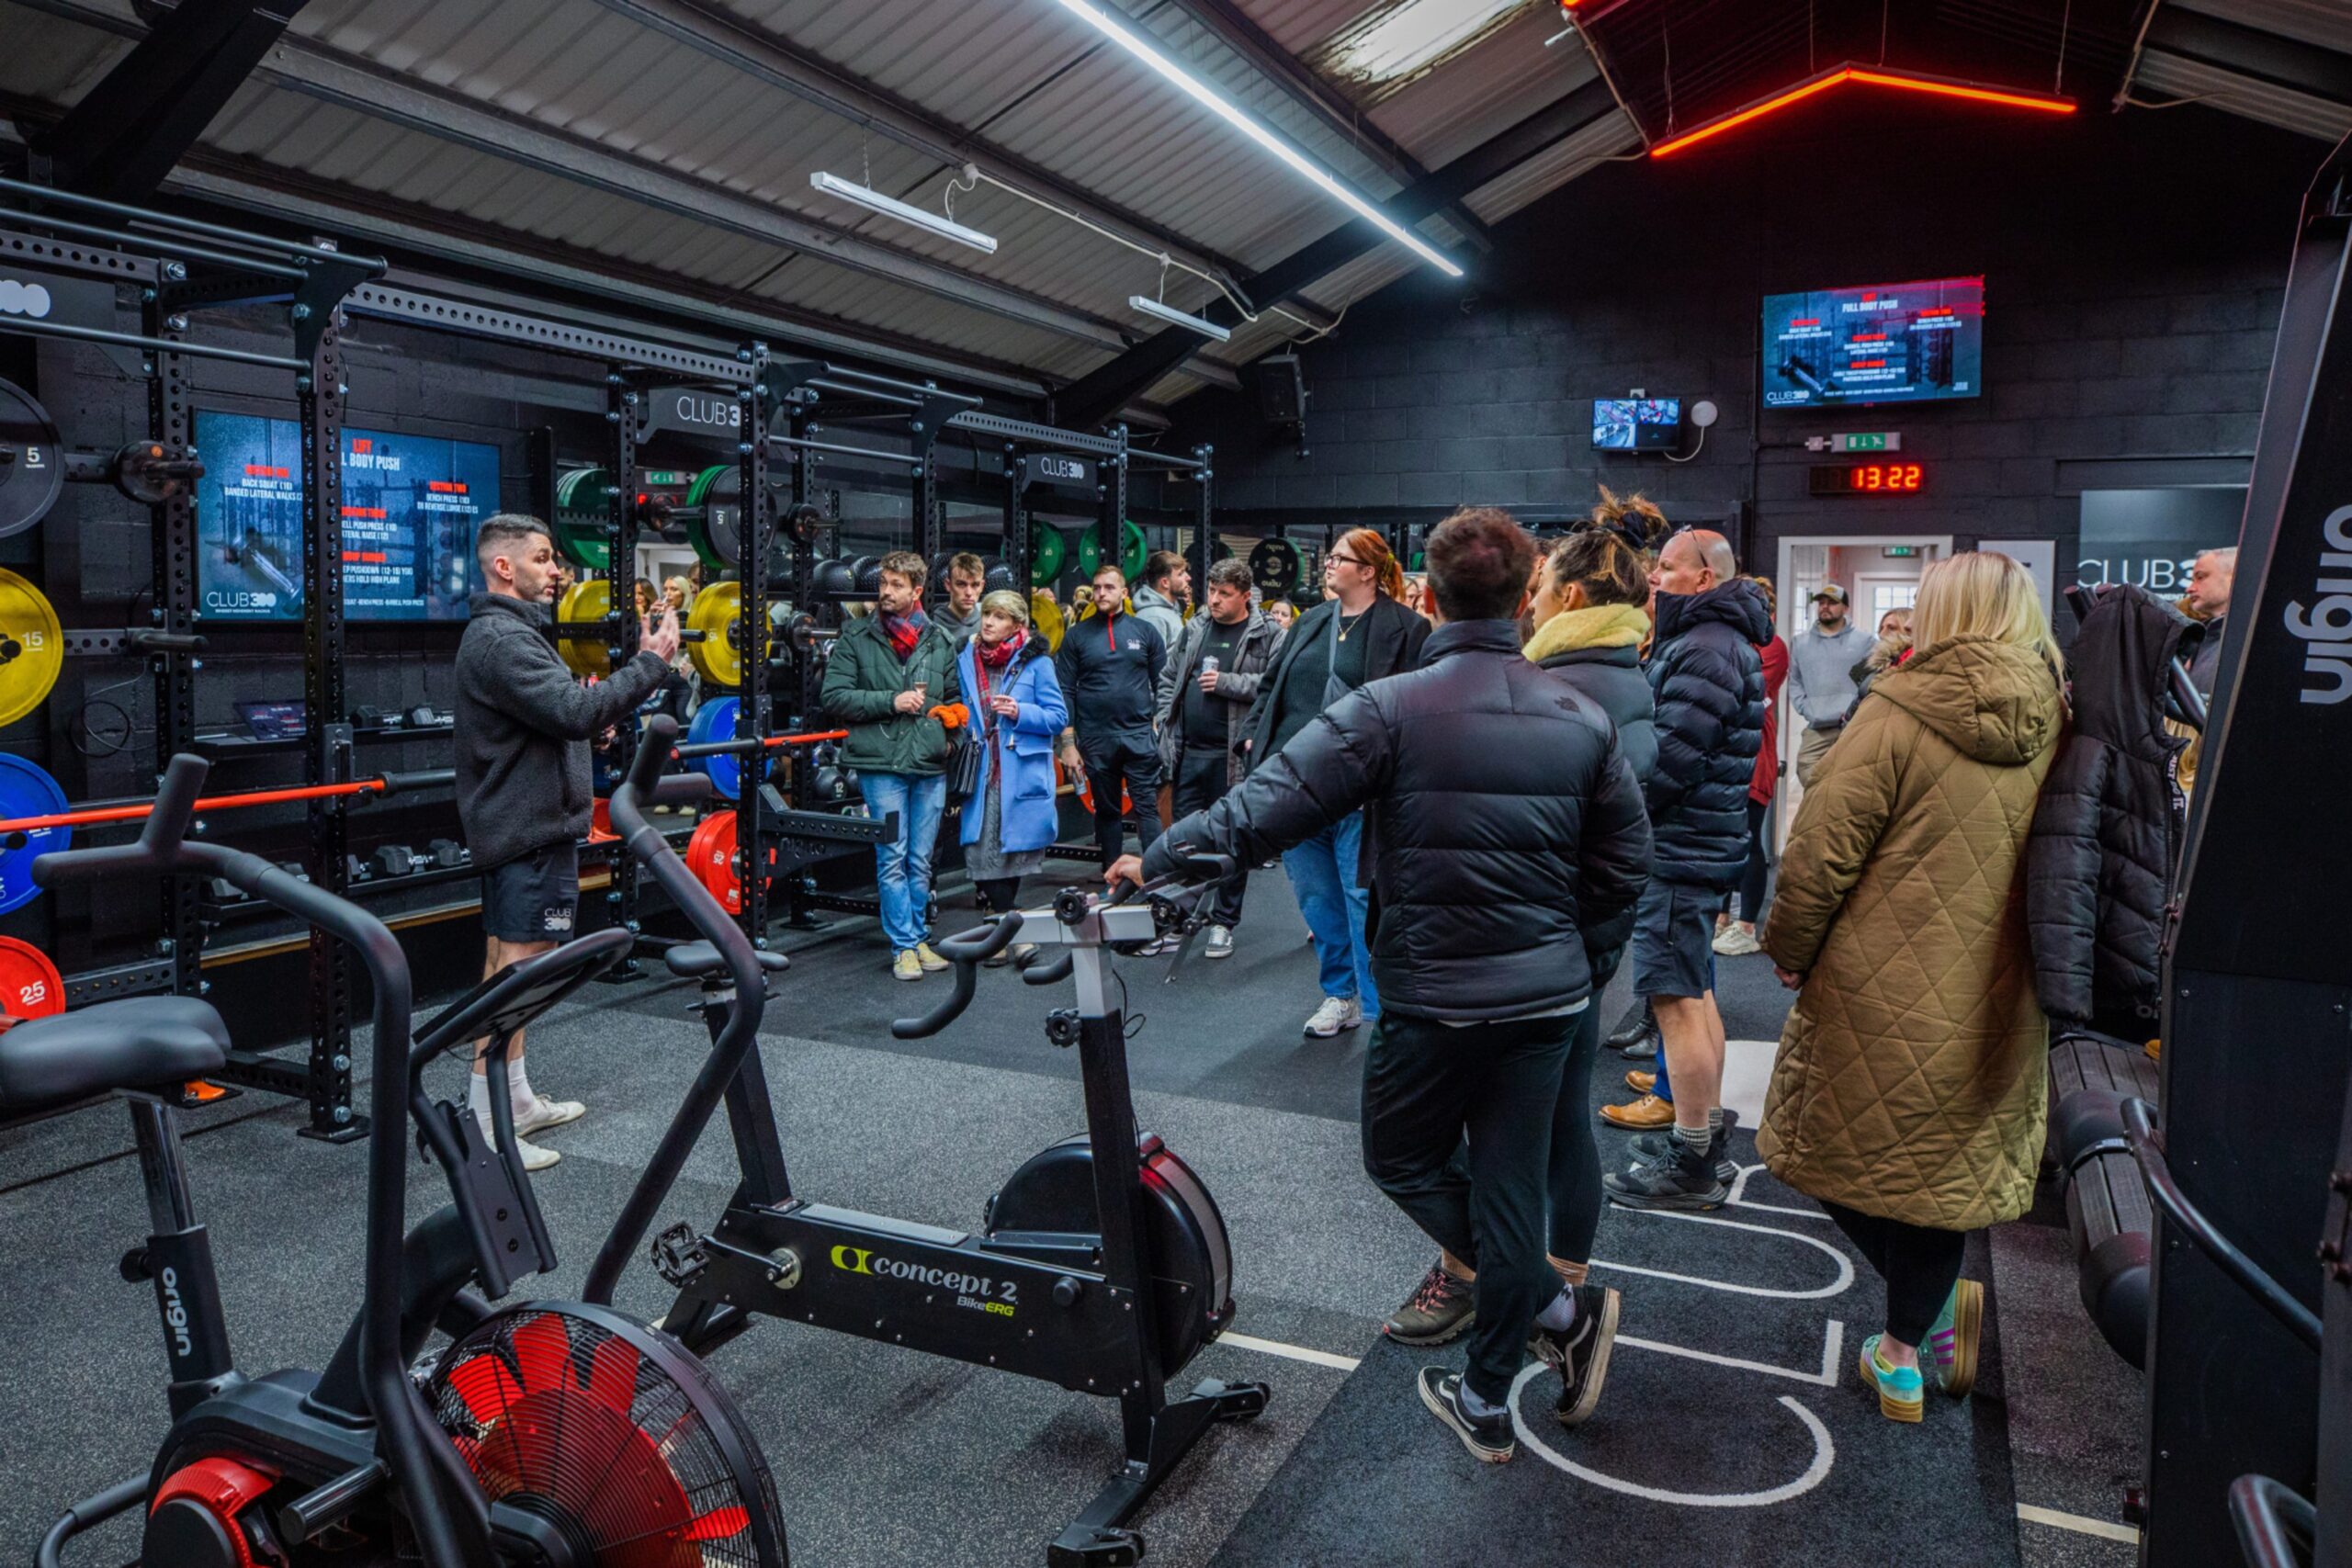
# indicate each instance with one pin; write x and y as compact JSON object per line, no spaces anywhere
{"x":984,"y":660}
{"x":905,"y":631}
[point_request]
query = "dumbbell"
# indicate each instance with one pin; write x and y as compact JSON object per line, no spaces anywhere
{"x":447,"y":854}
{"x":394,"y":860}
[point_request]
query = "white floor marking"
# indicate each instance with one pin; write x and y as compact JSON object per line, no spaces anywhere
{"x":1842,"y":1283}
{"x":1833,"y":1355}
{"x":1290,"y":1352}
{"x":1740,"y":1185}
{"x":1824,"y":1454}
{"x":2079,"y":1523}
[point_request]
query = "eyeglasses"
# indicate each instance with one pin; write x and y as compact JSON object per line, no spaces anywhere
{"x":1346,"y":561}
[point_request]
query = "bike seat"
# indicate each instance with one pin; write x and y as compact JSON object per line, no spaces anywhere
{"x":136,"y":1042}
{"x":698,"y":960}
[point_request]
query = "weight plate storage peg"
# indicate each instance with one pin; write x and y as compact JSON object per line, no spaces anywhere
{"x":31,"y":986}
{"x":26,"y":790}
{"x":583,"y":650}
{"x":32,"y":470}
{"x":33,"y":646}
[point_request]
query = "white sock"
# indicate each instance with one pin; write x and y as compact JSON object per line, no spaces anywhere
{"x":1478,"y":1407}
{"x":1560,"y":1312}
{"x":477,"y":1099}
{"x":518,"y":1086}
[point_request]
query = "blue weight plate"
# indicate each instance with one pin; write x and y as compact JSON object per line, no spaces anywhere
{"x":715,"y":720}
{"x":26,"y":790}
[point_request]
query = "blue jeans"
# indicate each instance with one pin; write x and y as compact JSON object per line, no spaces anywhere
{"x":1322,"y":874}
{"x":902,"y":866}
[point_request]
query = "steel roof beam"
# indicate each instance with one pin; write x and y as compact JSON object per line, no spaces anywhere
{"x":1108,"y":388}
{"x":2269,"y":57}
{"x":1284,"y":70}
{"x":776,"y":60}
{"x":314,"y":70}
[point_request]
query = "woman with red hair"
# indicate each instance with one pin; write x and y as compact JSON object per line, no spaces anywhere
{"x":1360,"y":633}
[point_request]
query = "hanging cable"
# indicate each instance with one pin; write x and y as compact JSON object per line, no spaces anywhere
{"x":2065,"y":19}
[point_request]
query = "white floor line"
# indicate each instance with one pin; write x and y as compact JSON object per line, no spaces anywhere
{"x":1740,"y":1185}
{"x":1824,"y":1454}
{"x":2054,"y":1518}
{"x":1290,"y":1352}
{"x":1833,"y":1353}
{"x":1837,"y":1287}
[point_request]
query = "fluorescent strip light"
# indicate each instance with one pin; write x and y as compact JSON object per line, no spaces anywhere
{"x":890,"y":207}
{"x":1208,"y":98}
{"x":1170,"y":313}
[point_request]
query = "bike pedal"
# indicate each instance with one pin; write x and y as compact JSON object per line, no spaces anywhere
{"x":678,"y":1255}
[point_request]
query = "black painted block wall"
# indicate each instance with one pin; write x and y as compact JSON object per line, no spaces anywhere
{"x":2134,"y":269}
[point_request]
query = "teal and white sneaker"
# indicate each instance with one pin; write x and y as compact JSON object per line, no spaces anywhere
{"x":1954,"y":1340}
{"x":1902,"y":1392}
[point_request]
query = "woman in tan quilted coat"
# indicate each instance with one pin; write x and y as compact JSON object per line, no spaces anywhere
{"x":1908,"y":1094}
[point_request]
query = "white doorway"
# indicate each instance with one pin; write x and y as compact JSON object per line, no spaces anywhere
{"x":1880,"y":572}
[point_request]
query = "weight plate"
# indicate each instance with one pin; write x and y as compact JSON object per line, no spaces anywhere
{"x":30,"y":483}
{"x":715,"y":720}
{"x":715,"y":608}
{"x":1089,"y":554}
{"x":714,"y":861}
{"x":1134,"y":549}
{"x":31,"y":986}
{"x":590,"y":598}
{"x":714,"y":516}
{"x":26,"y":790}
{"x":32,"y":648}
{"x":1274,"y":567}
{"x":584,"y":514}
{"x":1048,"y":549}
{"x":1045,"y":619}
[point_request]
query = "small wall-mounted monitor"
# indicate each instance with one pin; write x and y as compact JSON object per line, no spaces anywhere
{"x":1890,"y":342}
{"x":1636,"y":424}
{"x":410,"y":507}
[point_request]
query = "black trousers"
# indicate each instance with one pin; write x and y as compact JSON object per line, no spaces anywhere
{"x":1760,"y":862}
{"x":1201,"y":775}
{"x":1125,"y":759}
{"x":1920,"y":1266}
{"x":1425,"y":1086}
{"x":1574,"y":1179}
{"x":1002,"y":894}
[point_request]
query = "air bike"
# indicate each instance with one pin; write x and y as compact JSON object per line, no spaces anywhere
{"x":547,"y":1433}
{"x":1102,"y":1263}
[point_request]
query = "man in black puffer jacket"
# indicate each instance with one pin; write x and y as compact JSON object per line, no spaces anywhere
{"x":1502,"y":816}
{"x":2107,"y":831}
{"x":1709,"y":680}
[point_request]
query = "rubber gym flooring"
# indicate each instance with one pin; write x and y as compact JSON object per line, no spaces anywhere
{"x":1732,"y":1429}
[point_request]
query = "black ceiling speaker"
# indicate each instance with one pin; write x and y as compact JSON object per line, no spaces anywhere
{"x":1281,"y":390}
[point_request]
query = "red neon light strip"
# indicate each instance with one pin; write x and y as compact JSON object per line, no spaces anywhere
{"x":1839,"y":75}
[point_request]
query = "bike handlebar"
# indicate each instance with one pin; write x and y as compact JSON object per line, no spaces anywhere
{"x":965,"y":950}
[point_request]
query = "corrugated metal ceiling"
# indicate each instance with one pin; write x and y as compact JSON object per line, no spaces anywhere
{"x":682,"y":120}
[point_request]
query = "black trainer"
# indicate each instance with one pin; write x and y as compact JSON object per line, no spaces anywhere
{"x":1650,"y":1148}
{"x":1683,"y":1178}
{"x":1637,"y":1032}
{"x":1439,"y":1307}
{"x":1580,"y":1352}
{"x":1488,"y":1438}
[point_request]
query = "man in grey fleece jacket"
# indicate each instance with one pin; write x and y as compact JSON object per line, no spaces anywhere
{"x":524,"y":793}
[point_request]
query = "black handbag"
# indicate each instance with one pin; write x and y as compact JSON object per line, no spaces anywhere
{"x":964,"y":763}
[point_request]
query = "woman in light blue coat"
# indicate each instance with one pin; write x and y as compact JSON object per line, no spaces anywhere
{"x":1015,"y":707}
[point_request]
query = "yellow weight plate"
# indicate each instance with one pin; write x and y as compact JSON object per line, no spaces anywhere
{"x":1045,"y":619}
{"x":32,"y":648}
{"x":590,"y":598}
{"x":714,"y":615}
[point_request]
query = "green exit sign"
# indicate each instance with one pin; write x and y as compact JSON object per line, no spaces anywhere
{"x":1869,"y":441}
{"x":1899,"y":552}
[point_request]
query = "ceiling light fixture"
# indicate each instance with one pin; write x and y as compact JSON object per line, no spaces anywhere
{"x":1870,"y":76}
{"x":1170,"y":313}
{"x":891,"y":207}
{"x":1209,"y":98}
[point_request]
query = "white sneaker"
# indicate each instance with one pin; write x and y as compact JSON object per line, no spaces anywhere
{"x":544,"y":1113}
{"x":1736,"y":940}
{"x":1336,"y":1015}
{"x":1220,"y":942}
{"x":534,"y":1158}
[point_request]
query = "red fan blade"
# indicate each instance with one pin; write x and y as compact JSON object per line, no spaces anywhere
{"x":486,"y":1386}
{"x":612,"y":1375}
{"x":543,"y":1355}
{"x":720,"y":1524}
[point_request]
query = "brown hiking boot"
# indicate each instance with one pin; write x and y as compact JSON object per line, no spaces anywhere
{"x":1439,"y":1307}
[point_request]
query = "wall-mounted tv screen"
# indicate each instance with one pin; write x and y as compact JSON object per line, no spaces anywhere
{"x":410,"y":507}
{"x":1636,"y":424}
{"x":1890,"y":343}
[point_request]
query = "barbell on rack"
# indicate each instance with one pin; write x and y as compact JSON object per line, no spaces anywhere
{"x":35,"y":466}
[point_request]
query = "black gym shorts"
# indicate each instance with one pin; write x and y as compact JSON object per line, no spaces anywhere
{"x":535,"y":898}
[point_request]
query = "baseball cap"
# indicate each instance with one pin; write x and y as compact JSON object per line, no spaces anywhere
{"x":1830,"y":590}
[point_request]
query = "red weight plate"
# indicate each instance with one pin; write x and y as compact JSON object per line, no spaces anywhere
{"x":31,"y":986}
{"x":712,"y":863}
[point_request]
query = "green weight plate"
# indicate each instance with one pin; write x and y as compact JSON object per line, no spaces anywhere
{"x":714,"y":510}
{"x":1048,"y":549}
{"x":1089,"y":553}
{"x":1133,"y":549}
{"x":584,"y":501}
